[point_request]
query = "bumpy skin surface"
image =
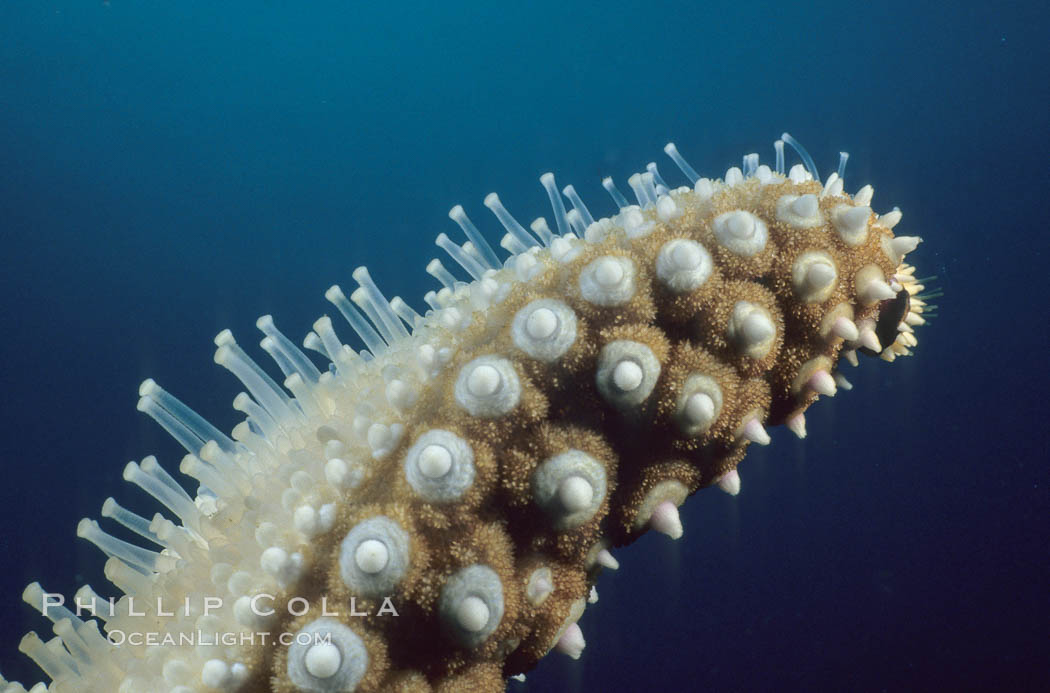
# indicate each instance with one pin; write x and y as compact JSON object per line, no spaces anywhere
{"x":648,"y":389}
{"x":641,"y":447}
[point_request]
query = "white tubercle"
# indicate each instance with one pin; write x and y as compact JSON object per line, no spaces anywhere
{"x":800,"y":211}
{"x":323,"y":660}
{"x":541,"y":324}
{"x":400,"y":394}
{"x":851,"y":223}
{"x":571,"y":642}
{"x":889,"y":219}
{"x":539,"y":586}
{"x":741,"y":232}
{"x":799,"y":174}
{"x":699,"y":410}
{"x":608,"y":281}
{"x":627,"y":373}
{"x":751,"y":329}
{"x":683,"y":265}
{"x":216,"y":674}
{"x":730,"y":482}
{"x":822,"y":383}
{"x":570,"y":487}
{"x":797,"y":425}
{"x":343,"y":475}
{"x":846,"y":329}
{"x":813,"y":276}
{"x":439,"y":466}
{"x":472,"y":614}
{"x":371,"y":556}
{"x":283,"y":566}
{"x":374,"y":556}
{"x":704,"y":189}
{"x":870,"y":340}
{"x":545,"y":329}
{"x":765,"y":174}
{"x":483,"y":381}
{"x":905,"y":244}
{"x":434,"y":461}
{"x":864,"y":195}
{"x":754,"y":431}
{"x":699,"y":404}
{"x":459,"y":606}
{"x":832,"y":187}
{"x":634,"y":222}
{"x":666,"y":520}
{"x":872,"y":287}
{"x":627,"y":376}
{"x":488,"y":387}
{"x":575,"y":493}
{"x":666,"y":209}
{"x":306,"y":520}
{"x":326,"y":656}
{"x":383,"y":438}
{"x":899,"y":246}
{"x":607,"y":560}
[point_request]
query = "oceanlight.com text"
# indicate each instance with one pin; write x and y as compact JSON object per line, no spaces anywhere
{"x":195,"y":638}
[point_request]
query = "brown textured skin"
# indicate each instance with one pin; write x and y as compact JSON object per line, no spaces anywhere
{"x":498,"y":523}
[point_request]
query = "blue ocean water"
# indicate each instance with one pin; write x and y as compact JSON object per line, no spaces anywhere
{"x":168,"y":170}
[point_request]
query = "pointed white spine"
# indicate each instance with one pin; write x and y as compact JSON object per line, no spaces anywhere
{"x":869,"y":340}
{"x":890,"y":219}
{"x":666,"y":520}
{"x":822,"y":383}
{"x":754,"y":431}
{"x":871,"y":286}
{"x":730,"y":482}
{"x":797,"y":425}
{"x":846,"y":329}
{"x":571,"y":642}
{"x":607,"y":560}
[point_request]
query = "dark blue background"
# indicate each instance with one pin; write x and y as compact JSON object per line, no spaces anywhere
{"x":169,"y":169}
